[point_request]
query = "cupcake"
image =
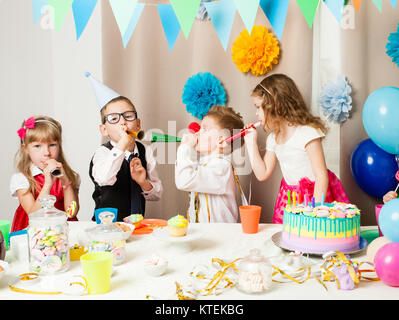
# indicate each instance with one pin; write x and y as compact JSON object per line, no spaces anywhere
{"x":134,"y":219}
{"x":177,"y":226}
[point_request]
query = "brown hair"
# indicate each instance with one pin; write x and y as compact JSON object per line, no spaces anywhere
{"x":282,"y":101}
{"x":120,"y":98}
{"x":44,"y":131}
{"x":227,"y":118}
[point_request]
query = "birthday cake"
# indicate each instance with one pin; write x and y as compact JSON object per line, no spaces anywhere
{"x":321,"y":228}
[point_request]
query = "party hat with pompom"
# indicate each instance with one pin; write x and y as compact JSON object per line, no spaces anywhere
{"x":102,"y":92}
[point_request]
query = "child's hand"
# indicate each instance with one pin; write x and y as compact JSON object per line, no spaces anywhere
{"x":137,"y":171}
{"x":390,"y":196}
{"x":252,"y":135}
{"x":51,"y":165}
{"x":189,"y":139}
{"x":125,"y":140}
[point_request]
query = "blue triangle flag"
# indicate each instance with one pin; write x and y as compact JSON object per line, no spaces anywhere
{"x":393,"y":2}
{"x":276,"y":13}
{"x":336,"y":7}
{"x":132,"y":24}
{"x":82,"y":11}
{"x":37,"y":9}
{"x":170,"y":23}
{"x":222,"y":15}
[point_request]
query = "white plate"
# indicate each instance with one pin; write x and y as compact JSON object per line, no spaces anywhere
{"x":163,"y":235}
{"x":277,"y":239}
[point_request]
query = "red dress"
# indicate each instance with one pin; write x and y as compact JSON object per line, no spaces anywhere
{"x":21,"y":219}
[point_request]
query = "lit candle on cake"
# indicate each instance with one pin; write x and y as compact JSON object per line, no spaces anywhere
{"x":306,"y":199}
{"x":322,"y":199}
{"x":293,"y":199}
{"x":313,"y":202}
{"x":289,"y":197}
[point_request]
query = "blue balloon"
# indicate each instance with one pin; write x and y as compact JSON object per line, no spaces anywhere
{"x":388,"y":220}
{"x":381,"y":118}
{"x":373,"y":169}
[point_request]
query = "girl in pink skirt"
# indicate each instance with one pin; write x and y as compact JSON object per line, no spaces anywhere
{"x":294,"y":141}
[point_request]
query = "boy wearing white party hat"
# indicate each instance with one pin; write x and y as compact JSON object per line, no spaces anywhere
{"x":123,"y":170}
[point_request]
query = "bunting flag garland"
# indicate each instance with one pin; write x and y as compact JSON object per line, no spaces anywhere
{"x":247,"y":10}
{"x":37,"y":9}
{"x":357,"y":3}
{"x":308,"y":8}
{"x":180,"y":14}
{"x":378,"y":4}
{"x":61,"y":8}
{"x":126,"y":16}
{"x":336,"y":8}
{"x":222,"y":15}
{"x":185,"y":11}
{"x":82,"y":11}
{"x":170,"y":23}
{"x":276,"y":12}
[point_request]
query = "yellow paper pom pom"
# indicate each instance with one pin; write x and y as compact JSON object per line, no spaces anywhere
{"x":257,"y":52}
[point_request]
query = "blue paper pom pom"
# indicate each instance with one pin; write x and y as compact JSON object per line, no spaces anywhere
{"x":393,"y":46}
{"x":335,"y":100}
{"x":202,"y":91}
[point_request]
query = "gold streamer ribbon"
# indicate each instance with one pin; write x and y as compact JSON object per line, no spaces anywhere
{"x":33,"y":276}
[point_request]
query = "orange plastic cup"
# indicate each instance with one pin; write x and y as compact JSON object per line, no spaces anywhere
{"x":250,"y":216}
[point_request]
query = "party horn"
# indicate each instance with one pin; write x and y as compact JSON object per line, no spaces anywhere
{"x":161,"y":137}
{"x":136,"y":134}
{"x":242,"y":133}
{"x":56,"y":173}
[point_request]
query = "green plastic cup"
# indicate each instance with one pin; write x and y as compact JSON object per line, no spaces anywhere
{"x":5,"y":229}
{"x":97,"y":269}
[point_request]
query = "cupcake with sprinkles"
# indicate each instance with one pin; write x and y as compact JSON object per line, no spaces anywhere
{"x":177,"y":226}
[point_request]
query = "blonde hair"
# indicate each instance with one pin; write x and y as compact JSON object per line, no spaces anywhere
{"x":46,"y":130}
{"x":282,"y":101}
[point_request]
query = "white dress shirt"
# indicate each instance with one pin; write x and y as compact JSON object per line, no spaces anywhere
{"x":211,"y":177}
{"x":107,"y":163}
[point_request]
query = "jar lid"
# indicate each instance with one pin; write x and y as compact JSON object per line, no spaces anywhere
{"x":254,"y":261}
{"x":105,"y":230}
{"x":47,"y":211}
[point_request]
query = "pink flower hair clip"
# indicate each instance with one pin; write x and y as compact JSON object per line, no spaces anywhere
{"x":29,"y":124}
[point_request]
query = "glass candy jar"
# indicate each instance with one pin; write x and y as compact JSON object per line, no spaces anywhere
{"x":255,"y":273}
{"x":109,"y":238}
{"x":48,"y":238}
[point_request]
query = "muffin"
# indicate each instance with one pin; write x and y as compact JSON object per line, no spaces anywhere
{"x":134,"y":219}
{"x":177,"y":226}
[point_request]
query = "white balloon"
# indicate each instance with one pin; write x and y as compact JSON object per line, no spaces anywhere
{"x":374,"y":246}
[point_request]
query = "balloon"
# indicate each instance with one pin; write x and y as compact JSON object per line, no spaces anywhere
{"x":388,"y":220}
{"x":373,"y":169}
{"x":386,"y":263}
{"x":374,"y":246}
{"x":381,"y":118}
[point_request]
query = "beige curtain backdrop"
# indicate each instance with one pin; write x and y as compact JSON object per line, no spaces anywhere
{"x":367,"y":67}
{"x":153,"y":77}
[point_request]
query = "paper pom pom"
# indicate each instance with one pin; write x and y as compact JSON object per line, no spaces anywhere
{"x":202,"y":14}
{"x":336,"y":101}
{"x":201,"y":92}
{"x":393,"y":46}
{"x":256,"y":52}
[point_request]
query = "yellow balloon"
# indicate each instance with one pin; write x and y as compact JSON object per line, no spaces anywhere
{"x":374,"y":246}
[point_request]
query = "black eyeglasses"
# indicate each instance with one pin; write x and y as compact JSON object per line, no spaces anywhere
{"x":115,"y":117}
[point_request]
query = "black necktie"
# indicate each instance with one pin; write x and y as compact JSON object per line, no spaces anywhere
{"x":135,"y":191}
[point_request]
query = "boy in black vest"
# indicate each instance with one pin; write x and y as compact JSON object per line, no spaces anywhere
{"x":123,"y":170}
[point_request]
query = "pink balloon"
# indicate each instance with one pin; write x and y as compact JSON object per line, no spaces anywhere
{"x":386,"y":263}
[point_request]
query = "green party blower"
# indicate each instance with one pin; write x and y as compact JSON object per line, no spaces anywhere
{"x":161,"y":137}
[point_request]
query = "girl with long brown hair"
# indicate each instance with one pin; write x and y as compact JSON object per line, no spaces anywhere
{"x":294,"y":141}
{"x":39,"y":156}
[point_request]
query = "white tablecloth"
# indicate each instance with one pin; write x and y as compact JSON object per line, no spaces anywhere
{"x":217,"y":240}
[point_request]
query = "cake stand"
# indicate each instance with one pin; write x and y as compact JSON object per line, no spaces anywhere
{"x":277,"y":239}
{"x":178,"y":244}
